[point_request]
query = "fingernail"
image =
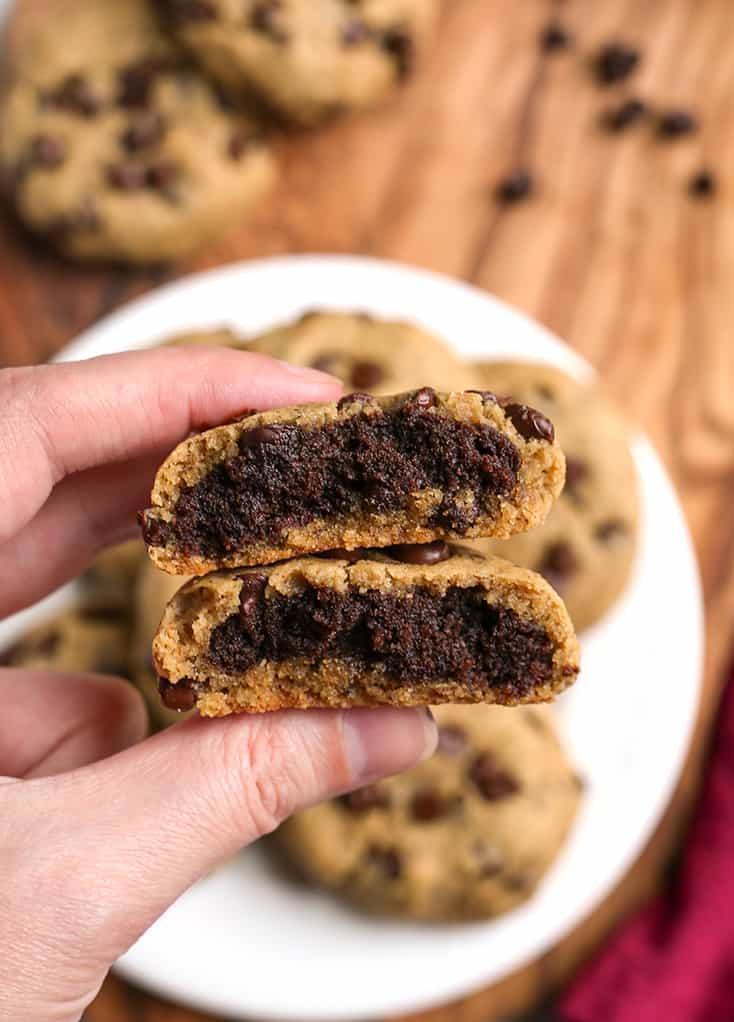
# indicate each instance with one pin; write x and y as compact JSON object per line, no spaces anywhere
{"x":305,"y":373}
{"x":385,"y":741}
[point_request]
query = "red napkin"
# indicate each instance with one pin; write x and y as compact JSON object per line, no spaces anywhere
{"x":674,"y":962}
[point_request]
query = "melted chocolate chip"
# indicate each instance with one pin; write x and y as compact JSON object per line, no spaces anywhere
{"x":348,"y":399}
{"x":614,"y":62}
{"x":623,"y":116}
{"x":47,"y":151}
{"x":401,"y":48}
{"x":75,"y":95}
{"x":365,"y":375}
{"x":155,"y":532}
{"x":252,"y":593}
{"x":493,"y":782}
{"x":264,"y":18}
{"x":180,"y":697}
{"x":420,"y":553}
{"x":127,"y":177}
{"x":530,"y":423}
{"x":452,"y":740}
{"x":428,"y":805}
{"x":702,"y":185}
{"x":422,"y":399}
{"x":240,"y":141}
{"x":676,"y":123}
{"x":516,"y":187}
{"x":610,"y":530}
{"x":559,"y":564}
{"x":260,"y":435}
{"x":354,"y":33}
{"x":146,"y":130}
{"x":372,"y":796}
{"x":387,"y":860}
{"x":555,"y":37}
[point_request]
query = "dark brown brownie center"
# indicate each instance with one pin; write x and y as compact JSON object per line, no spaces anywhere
{"x":420,"y":637}
{"x":285,"y":476}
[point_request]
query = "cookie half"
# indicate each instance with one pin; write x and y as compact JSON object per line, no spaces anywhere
{"x":466,"y":835}
{"x":365,"y":471}
{"x":406,"y":627}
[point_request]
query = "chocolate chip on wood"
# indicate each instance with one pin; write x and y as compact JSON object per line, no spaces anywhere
{"x":316,"y":632}
{"x":362,"y":472}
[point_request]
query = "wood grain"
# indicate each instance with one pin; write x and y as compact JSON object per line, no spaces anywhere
{"x":611,"y":253}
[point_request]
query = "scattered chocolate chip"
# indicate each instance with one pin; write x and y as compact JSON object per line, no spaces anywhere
{"x":576,"y":472}
{"x":136,"y":81}
{"x":264,"y":18}
{"x":676,"y":123}
{"x":348,"y":399}
{"x":613,"y":528}
{"x":240,"y":141}
{"x":558,"y":564}
{"x":259,"y":435}
{"x":623,"y":116}
{"x":354,"y":33}
{"x":486,"y":395}
{"x":452,"y":740}
{"x":400,"y":46}
{"x":251,"y":594}
{"x":127,"y":177}
{"x":180,"y":697}
{"x":428,"y":805}
{"x":47,"y":151}
{"x":530,"y":423}
{"x":146,"y":130}
{"x":350,"y":556}
{"x":420,"y":553}
{"x":372,"y":796}
{"x":493,"y":782}
{"x":365,"y":374}
{"x":155,"y":532}
{"x":515,"y":187}
{"x":76,"y":96}
{"x":161,"y":175}
{"x":615,"y":62}
{"x":555,"y":37}
{"x":423,"y":398}
{"x":702,"y":185}
{"x":387,"y":860}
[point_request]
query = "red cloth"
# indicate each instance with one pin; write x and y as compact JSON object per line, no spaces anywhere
{"x":674,"y":962}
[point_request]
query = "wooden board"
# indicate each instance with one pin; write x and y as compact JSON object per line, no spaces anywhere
{"x":610,"y":253}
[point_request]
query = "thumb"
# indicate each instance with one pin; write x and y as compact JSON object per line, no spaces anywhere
{"x":139,"y":828}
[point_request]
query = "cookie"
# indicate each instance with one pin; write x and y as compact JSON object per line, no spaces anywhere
{"x":365,"y":471}
{"x":112,"y":147}
{"x":110,"y":579}
{"x":586,"y":547}
{"x":84,"y":640}
{"x":466,"y":835}
{"x":410,"y":626}
{"x":368,"y":354}
{"x":305,"y":59}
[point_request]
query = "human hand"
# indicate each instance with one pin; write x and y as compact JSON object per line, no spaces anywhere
{"x":102,"y":831}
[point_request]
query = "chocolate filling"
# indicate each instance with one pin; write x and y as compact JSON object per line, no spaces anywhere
{"x":286,"y":476}
{"x":421,"y":638}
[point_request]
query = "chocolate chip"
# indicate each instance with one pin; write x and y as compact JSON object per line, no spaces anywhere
{"x":676,"y":123}
{"x":576,"y":472}
{"x":452,"y":740}
{"x":350,"y":556}
{"x":365,"y":374}
{"x":372,"y":796}
{"x":623,"y":116}
{"x":401,"y":48}
{"x":155,"y":532}
{"x":161,"y":175}
{"x":422,"y":399}
{"x":47,"y":151}
{"x":264,"y":18}
{"x":146,"y":130}
{"x":354,"y":33}
{"x":530,"y":423}
{"x":127,"y":177}
{"x":387,"y":860}
{"x":420,"y":553}
{"x":702,"y":185}
{"x":348,"y":399}
{"x":180,"y":697}
{"x":136,"y":81}
{"x":614,"y":62}
{"x":76,"y":96}
{"x":611,"y":529}
{"x":428,"y":805}
{"x":493,"y":782}
{"x":555,"y":37}
{"x":240,"y":141}
{"x":259,"y":435}
{"x":515,"y":187}
{"x":559,"y":564}
{"x":486,"y":395}
{"x":252,"y":592}
{"x":182,"y":11}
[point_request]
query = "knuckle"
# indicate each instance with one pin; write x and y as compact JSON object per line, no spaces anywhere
{"x":261,"y":777}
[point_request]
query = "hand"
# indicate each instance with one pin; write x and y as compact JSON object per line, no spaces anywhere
{"x":99,"y":830}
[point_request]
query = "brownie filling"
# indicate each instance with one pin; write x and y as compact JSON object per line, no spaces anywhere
{"x":425,"y":637}
{"x":285,"y":476}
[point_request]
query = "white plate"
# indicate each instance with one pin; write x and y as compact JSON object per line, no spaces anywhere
{"x":242,"y":942}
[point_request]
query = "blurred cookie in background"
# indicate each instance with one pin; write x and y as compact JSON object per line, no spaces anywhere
{"x":468,"y":834}
{"x":109,"y":581}
{"x":586,"y":547}
{"x":113,"y":147}
{"x":372,"y":355}
{"x":83,"y":640}
{"x":305,"y":59}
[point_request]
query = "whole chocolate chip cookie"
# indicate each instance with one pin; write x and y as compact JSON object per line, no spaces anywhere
{"x":406,"y":626}
{"x":378,"y":356}
{"x":113,"y":147}
{"x":88,"y":639}
{"x":586,"y":546}
{"x":466,"y":835}
{"x":306,"y":59}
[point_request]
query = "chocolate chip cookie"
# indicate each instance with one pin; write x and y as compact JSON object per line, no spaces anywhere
{"x":586,"y":546}
{"x":407,"y":626}
{"x":364,"y":471}
{"x":306,"y":59}
{"x":368,"y":354}
{"x":91,"y":639}
{"x":113,"y":147}
{"x":468,"y":834}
